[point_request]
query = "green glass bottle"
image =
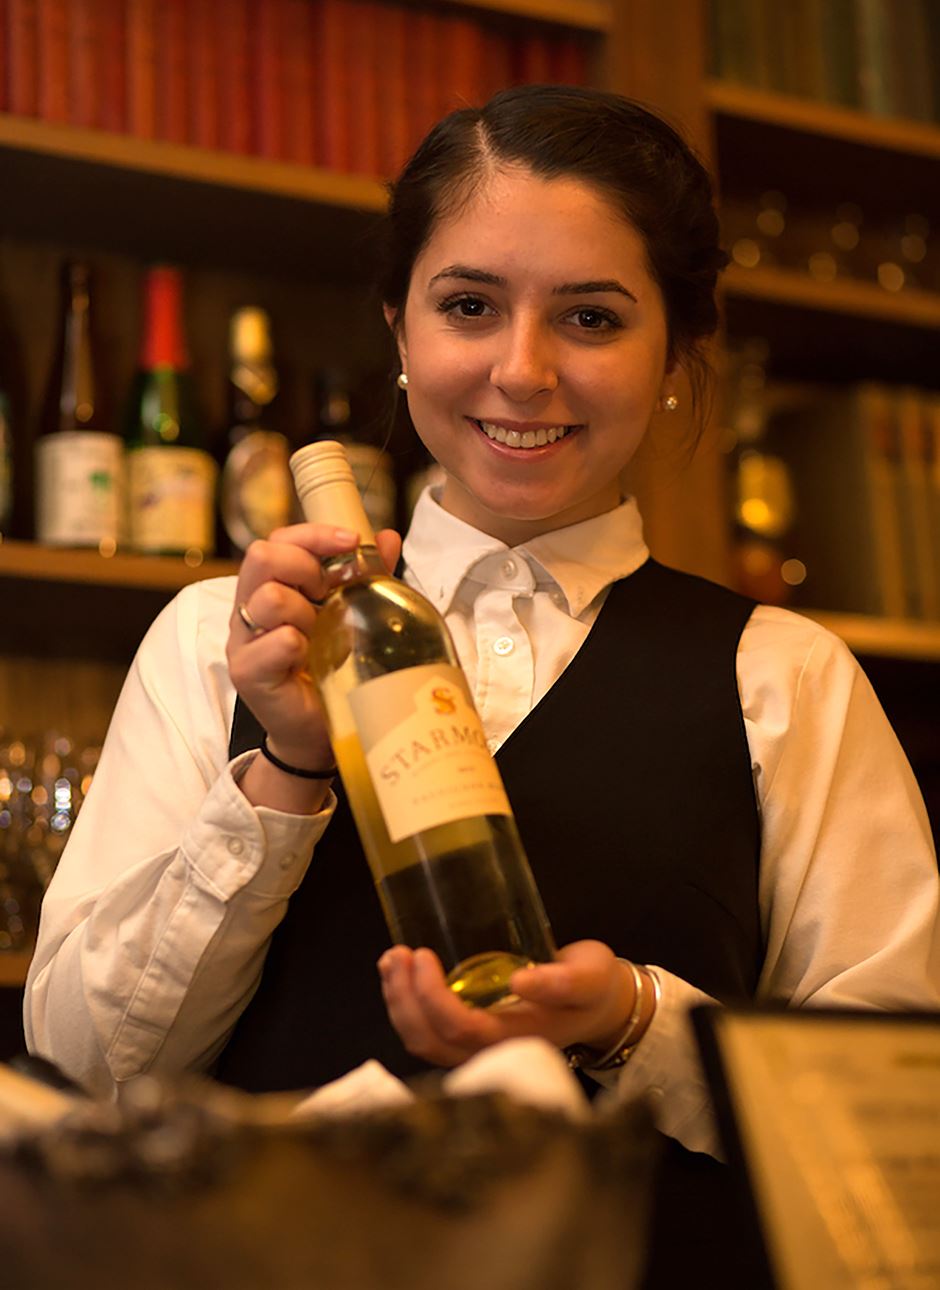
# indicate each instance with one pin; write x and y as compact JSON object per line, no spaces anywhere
{"x":171,"y":477}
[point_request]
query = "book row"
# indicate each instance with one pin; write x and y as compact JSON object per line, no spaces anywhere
{"x":865,"y":468}
{"x":350,"y":85}
{"x":880,"y":56}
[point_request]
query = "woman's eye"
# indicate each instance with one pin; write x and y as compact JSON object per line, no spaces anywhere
{"x":596,"y":319}
{"x":464,"y":307}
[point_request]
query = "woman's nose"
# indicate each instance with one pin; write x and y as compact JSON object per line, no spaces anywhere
{"x":525,"y":366}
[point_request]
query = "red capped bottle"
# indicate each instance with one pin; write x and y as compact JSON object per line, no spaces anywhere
{"x":171,"y":476}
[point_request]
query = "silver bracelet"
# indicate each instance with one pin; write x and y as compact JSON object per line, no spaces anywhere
{"x":582,"y":1057}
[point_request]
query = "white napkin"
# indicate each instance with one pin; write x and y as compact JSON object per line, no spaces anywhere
{"x":529,"y":1070}
{"x":368,"y":1087}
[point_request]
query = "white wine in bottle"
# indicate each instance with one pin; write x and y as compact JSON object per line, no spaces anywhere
{"x":426,"y":795}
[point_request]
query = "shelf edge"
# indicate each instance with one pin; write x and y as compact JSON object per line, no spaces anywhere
{"x":884,"y":637}
{"x":827,"y":120}
{"x":193,"y":165}
{"x":31,"y":562}
{"x":787,"y":287}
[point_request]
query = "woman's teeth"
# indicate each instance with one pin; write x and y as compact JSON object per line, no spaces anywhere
{"x":525,"y":439}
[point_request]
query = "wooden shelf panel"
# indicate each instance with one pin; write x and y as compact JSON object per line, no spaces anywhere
{"x":13,"y":968}
{"x":198,"y":165}
{"x":150,"y":199}
{"x":30,"y":561}
{"x":883,"y":637}
{"x":810,"y":116}
{"x":583,"y":15}
{"x":787,"y":287}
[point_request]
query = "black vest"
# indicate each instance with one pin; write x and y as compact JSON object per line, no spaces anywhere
{"x":631,"y":786}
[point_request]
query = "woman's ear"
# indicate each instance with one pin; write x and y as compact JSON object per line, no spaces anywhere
{"x":392,"y":319}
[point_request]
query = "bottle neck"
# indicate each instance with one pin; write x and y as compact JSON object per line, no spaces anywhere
{"x":361,"y":565}
{"x":77,"y":396}
{"x":163,"y":343}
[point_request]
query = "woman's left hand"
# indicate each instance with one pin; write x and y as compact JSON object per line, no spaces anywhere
{"x":585,"y":997}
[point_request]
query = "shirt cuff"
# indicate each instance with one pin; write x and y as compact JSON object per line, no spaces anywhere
{"x":234,"y":845}
{"x":666,"y":1069}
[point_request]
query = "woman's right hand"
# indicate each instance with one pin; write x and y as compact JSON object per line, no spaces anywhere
{"x":278,"y":581}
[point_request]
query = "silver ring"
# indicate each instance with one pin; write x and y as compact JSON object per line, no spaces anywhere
{"x":255,"y":628}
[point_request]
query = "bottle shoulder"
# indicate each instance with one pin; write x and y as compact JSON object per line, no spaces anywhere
{"x":383,"y":618}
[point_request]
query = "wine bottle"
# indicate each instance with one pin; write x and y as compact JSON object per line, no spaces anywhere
{"x":427,"y":798}
{"x":79,"y":461}
{"x":256,"y":493}
{"x":372,"y":468}
{"x":171,"y":476}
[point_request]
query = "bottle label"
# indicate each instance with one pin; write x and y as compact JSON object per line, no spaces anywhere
{"x":171,"y":499}
{"x":425,"y":749}
{"x":79,"y":485}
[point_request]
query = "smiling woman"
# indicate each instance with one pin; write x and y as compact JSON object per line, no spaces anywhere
{"x":533,"y":371}
{"x":712,"y":801}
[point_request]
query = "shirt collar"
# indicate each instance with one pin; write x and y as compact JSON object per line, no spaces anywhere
{"x":441,"y":550}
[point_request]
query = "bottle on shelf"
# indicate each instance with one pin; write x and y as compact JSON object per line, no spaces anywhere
{"x":427,"y":798}
{"x":427,"y":474}
{"x":79,"y":460}
{"x":6,"y":466}
{"x":256,"y":492}
{"x":761,"y":483}
{"x":171,"y":476}
{"x":371,"y":466}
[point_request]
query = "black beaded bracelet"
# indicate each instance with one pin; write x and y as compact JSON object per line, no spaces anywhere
{"x":294,"y":770}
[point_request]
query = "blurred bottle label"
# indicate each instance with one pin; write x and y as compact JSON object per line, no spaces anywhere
{"x":257,"y":492}
{"x":78,"y":486}
{"x":171,"y":494}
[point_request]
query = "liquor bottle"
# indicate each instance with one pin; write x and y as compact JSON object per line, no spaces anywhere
{"x":256,"y":492}
{"x":427,"y":798}
{"x":763,"y":490}
{"x":171,"y":477}
{"x":79,"y":462}
{"x":372,"y":468}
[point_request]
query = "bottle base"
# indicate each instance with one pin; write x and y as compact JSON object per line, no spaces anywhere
{"x":482,"y":981}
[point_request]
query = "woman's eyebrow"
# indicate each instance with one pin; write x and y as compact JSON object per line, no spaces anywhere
{"x":591,"y":287}
{"x":469,"y":275}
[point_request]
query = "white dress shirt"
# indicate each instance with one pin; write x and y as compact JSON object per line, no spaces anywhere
{"x":156,"y":923}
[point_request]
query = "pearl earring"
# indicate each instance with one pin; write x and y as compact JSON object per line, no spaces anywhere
{"x":670,"y":403}
{"x":402,"y":380}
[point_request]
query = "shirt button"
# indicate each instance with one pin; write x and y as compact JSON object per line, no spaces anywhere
{"x":235,"y":846}
{"x":503,"y":645}
{"x":509,"y":568}
{"x":287,"y":860}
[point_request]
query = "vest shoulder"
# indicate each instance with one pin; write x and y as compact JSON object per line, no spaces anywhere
{"x":693,"y":588}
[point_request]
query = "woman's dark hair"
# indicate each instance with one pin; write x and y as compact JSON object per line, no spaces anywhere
{"x":628,"y":153}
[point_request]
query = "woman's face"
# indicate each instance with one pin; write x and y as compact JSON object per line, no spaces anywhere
{"x":534,"y":339}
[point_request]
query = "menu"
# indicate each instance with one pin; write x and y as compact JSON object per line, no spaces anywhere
{"x":837,"y":1118}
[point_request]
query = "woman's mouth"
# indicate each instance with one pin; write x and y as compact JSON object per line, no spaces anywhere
{"x":537,"y":438}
